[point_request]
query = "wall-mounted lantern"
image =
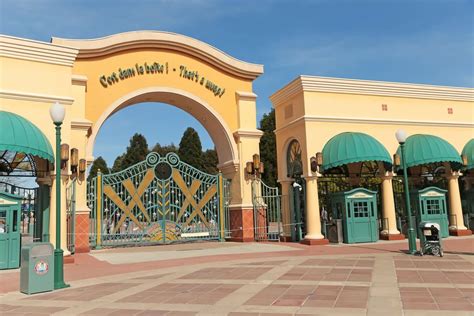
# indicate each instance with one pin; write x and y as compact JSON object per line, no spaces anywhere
{"x":255,"y":167}
{"x":396,"y":160}
{"x":316,"y":162}
{"x":64,"y":153}
{"x":74,"y":159}
{"x":82,"y":165}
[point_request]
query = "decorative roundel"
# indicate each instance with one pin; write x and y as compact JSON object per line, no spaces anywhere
{"x":152,"y":159}
{"x":173,"y":159}
{"x":163,"y":171}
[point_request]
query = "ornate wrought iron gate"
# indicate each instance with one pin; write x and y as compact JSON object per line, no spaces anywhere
{"x":267,"y":211}
{"x":159,"y":200}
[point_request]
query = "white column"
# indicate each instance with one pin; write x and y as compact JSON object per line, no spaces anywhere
{"x":389,"y":221}
{"x":313,"y":220}
{"x":456,"y":222}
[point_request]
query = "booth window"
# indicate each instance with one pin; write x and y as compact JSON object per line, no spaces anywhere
{"x":432,"y":207}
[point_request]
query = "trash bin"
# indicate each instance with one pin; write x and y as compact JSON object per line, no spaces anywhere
{"x":430,"y":238}
{"x":37,"y":268}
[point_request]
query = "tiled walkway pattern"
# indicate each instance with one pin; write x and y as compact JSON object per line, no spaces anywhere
{"x":343,"y":284}
{"x":312,"y":296}
{"x":423,"y":277}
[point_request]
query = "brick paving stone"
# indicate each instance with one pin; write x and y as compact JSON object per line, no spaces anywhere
{"x":264,"y":263}
{"x":435,"y":298}
{"x":227,"y":273}
{"x":420,"y":306}
{"x":32,"y":310}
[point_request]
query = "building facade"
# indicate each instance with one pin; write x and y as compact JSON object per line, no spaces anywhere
{"x":352,"y":124}
{"x":348,"y":127}
{"x":96,"y":78}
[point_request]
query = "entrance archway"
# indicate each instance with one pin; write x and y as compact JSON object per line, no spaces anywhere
{"x":118,"y":71}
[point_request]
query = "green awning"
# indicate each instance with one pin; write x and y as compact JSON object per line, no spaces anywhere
{"x":423,"y":149}
{"x":352,"y":147}
{"x":20,"y":135}
{"x":468,"y":151}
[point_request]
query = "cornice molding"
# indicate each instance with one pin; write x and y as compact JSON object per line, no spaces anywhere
{"x":26,"y":49}
{"x":79,"y":80}
{"x":256,"y":133}
{"x":93,"y":48}
{"x":361,"y":120}
{"x":35,"y":97}
{"x":228,"y":167}
{"x":246,"y":96}
{"x":81,"y":124}
{"x":369,"y":87}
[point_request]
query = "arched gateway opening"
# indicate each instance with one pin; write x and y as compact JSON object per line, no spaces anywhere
{"x":211,"y":120}
{"x":112,"y":73}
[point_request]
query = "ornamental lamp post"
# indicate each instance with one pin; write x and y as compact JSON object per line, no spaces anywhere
{"x":401,"y":136}
{"x":57,"y":113}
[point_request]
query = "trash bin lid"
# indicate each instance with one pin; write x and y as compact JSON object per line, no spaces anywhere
{"x":41,"y":249}
{"x":429,"y":224}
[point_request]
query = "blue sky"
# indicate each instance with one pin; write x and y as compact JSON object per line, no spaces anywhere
{"x":419,"y":41}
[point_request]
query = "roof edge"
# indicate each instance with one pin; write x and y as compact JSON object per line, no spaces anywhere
{"x":370,"y":87}
{"x":97,"y":47}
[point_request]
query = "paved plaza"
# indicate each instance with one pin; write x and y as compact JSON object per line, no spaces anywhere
{"x":257,"y":279}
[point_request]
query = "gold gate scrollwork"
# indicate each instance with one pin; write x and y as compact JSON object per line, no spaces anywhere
{"x":136,"y":194}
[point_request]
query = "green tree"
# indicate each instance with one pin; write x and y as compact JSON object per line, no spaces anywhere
{"x":118,"y":164}
{"x":136,"y":151}
{"x":268,"y":148}
{"x":163,"y":150}
{"x":98,"y":163}
{"x":210,"y":161}
{"x":190,"y":148}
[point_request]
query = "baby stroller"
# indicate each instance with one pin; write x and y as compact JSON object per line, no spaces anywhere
{"x":430,"y":239}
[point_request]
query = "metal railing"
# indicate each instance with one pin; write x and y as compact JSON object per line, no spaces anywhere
{"x":71,"y":215}
{"x":267,"y":212}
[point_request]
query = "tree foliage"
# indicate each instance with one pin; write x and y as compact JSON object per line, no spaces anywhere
{"x":163,"y":150}
{"x":118,"y":164}
{"x":136,"y":151}
{"x":190,"y":148}
{"x":210,"y":161}
{"x":98,"y":163}
{"x":189,"y":151}
{"x":268,"y":148}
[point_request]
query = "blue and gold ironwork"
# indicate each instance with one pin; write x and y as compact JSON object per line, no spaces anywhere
{"x":159,"y":200}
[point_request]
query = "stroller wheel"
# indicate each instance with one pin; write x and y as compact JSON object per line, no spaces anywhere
{"x":421,"y":252}
{"x":436,"y":251}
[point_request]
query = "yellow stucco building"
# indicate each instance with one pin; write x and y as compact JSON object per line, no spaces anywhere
{"x":349,"y":127}
{"x":96,"y":78}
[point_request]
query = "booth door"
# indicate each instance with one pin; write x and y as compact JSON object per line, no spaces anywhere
{"x":433,"y":209}
{"x":9,"y":237}
{"x":362,"y":221}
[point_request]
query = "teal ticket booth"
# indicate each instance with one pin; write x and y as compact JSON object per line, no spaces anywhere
{"x":10,"y":209}
{"x":358,"y":210}
{"x":431,"y":207}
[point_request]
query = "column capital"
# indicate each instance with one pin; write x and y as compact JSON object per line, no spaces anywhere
{"x":314,"y":176}
{"x":453,"y":175}
{"x":388,"y":175}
